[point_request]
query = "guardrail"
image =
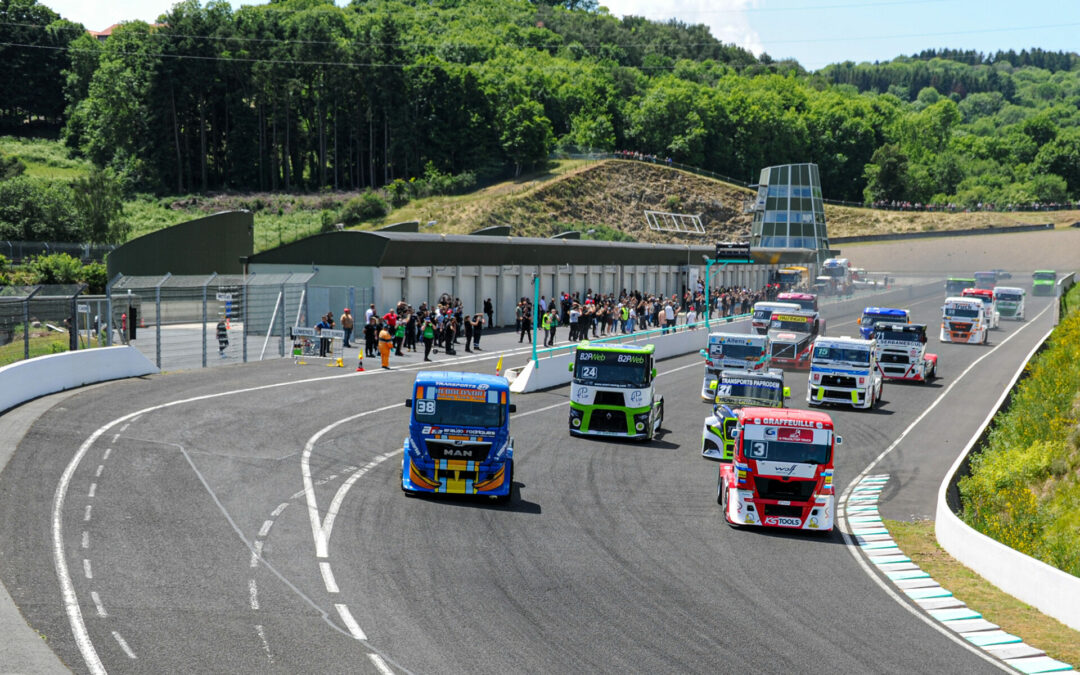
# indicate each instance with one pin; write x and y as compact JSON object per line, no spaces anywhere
{"x":941,"y":233}
{"x":1052,"y":591}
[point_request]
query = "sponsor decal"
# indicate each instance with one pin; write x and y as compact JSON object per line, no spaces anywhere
{"x":461,"y":394}
{"x":764,"y":384}
{"x":635,"y":396}
{"x":796,"y":435}
{"x":790,"y":317}
{"x":782,"y":521}
{"x":785,"y":422}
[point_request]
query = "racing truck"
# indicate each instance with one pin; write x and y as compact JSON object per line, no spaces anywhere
{"x":986,"y":280}
{"x":612,"y":392}
{"x":763,"y":312}
{"x":956,"y":285}
{"x":782,"y":470}
{"x":792,"y":335}
{"x":735,"y":389}
{"x":993,"y":317}
{"x":901,"y":352}
{"x":1010,"y":302}
{"x":844,"y":370}
{"x":1043,"y":281}
{"x":964,"y":320}
{"x":735,"y":351}
{"x":839,"y":270}
{"x":807,"y":301}
{"x":873,"y":315}
{"x":459,"y":436}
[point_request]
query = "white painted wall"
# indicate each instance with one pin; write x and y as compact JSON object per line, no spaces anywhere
{"x":26,"y":380}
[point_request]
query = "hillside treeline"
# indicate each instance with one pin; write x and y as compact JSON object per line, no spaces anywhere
{"x":303,"y":95}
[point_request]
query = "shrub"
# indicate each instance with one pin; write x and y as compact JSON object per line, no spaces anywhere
{"x":368,"y":206}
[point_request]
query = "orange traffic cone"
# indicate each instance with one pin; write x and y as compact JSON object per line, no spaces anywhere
{"x":228,"y":325}
{"x":360,"y":362}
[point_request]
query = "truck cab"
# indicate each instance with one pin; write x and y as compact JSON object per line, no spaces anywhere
{"x":792,"y":335}
{"x":964,"y":320}
{"x":993,"y":317}
{"x":986,"y":280}
{"x":956,"y":285}
{"x":782,"y":470}
{"x":1010,"y":302}
{"x":839,"y":269}
{"x":612,"y":392}
{"x":1043,"y":282}
{"x":763,"y":312}
{"x":844,"y":370}
{"x":874,"y":315}
{"x":459,"y":436}
{"x":733,"y":351}
{"x":807,"y":301}
{"x":736,"y":389}
{"x":901,"y":352}
{"x":792,"y":277}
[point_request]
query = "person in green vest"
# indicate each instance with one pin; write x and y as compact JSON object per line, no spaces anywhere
{"x":399,"y":337}
{"x":428,"y":335}
{"x":550,"y":322}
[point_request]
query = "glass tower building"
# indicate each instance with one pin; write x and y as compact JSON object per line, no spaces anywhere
{"x":788,"y":211}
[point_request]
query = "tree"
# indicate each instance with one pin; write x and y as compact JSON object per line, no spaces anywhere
{"x":526,"y":136}
{"x":10,"y":167}
{"x":886,"y":175}
{"x":99,"y":203}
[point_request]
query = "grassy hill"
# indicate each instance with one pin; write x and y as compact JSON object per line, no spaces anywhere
{"x":608,"y":197}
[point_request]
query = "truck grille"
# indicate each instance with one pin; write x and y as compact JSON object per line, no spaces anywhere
{"x":608,"y":420}
{"x":476,"y":452}
{"x":782,"y":511}
{"x":888,"y":357}
{"x":792,"y":490}
{"x":783,"y":350}
{"x":960,"y":327}
{"x":840,"y":381}
{"x":609,"y":398}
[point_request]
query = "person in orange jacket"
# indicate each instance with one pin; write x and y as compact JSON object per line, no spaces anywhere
{"x":386,"y":342}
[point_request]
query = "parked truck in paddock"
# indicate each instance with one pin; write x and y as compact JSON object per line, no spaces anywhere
{"x":459,"y":437}
{"x":901,"y":352}
{"x":736,"y":389}
{"x":844,"y":370}
{"x":733,"y":351}
{"x":612,"y":392}
{"x":1010,"y":302}
{"x":782,"y":470}
{"x":964,"y":320}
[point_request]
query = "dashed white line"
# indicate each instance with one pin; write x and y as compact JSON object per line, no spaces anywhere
{"x":108,"y":451}
{"x":97,"y":474}
{"x":115,"y":436}
{"x":86,"y":514}
{"x":93,"y":490}
{"x":124,"y":645}
{"x":350,"y":622}
{"x":265,"y":529}
{"x":379,"y":663}
{"x":281,"y":507}
{"x":125,"y":427}
{"x":257,"y":553}
{"x":253,"y":593}
{"x":328,"y":577}
{"x":97,"y":603}
{"x":87,"y":570}
{"x":334,"y":477}
{"x":265,"y":643}
{"x":85,"y":539}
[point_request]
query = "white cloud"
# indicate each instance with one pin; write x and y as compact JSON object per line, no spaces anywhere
{"x":727,"y":19}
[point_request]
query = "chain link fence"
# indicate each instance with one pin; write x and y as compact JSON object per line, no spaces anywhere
{"x":39,"y":320}
{"x":184,"y":322}
{"x":20,"y":251}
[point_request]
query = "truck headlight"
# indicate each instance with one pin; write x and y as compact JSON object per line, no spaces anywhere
{"x":576,"y":422}
{"x":640,"y":426}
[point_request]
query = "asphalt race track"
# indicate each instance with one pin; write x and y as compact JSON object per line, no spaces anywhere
{"x":189,"y":533}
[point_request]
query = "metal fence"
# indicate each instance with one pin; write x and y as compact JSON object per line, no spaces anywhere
{"x":38,"y":320}
{"x":183,"y":322}
{"x":20,"y":251}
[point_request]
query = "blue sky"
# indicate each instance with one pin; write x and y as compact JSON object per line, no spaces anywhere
{"x":815,"y":32}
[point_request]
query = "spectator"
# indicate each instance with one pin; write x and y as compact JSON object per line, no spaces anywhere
{"x":347,"y":326}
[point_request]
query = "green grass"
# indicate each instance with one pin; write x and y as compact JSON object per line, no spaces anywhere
{"x":1055,"y":638}
{"x":44,"y":158}
{"x":39,"y":346}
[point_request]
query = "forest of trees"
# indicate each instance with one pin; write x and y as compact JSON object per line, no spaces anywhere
{"x":301,"y":95}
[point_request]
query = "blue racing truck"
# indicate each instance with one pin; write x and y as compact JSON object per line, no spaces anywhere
{"x":459,"y":437}
{"x":873,"y":315}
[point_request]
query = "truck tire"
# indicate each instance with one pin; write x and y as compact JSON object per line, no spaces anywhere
{"x":503,"y":499}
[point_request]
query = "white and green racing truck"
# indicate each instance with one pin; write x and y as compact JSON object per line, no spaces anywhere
{"x":736,"y":389}
{"x":612,"y":392}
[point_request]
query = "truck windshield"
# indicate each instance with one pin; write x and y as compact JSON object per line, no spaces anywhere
{"x":955,"y":286}
{"x":869,"y":318}
{"x":805,"y":303}
{"x":961,"y":312}
{"x":786,"y":322}
{"x":787,"y":451}
{"x":749,"y":353}
{"x":1009,"y":297}
{"x":789,"y":278}
{"x":739,"y":390}
{"x":612,"y":369}
{"x":834,"y":272}
{"x":898,"y":336}
{"x":1045,"y":276}
{"x":458,"y":413}
{"x":846,"y":354}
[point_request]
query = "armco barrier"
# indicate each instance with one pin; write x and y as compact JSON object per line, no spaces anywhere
{"x":554,"y":371}
{"x":900,"y":236}
{"x":1048,"y":589}
{"x":26,"y":380}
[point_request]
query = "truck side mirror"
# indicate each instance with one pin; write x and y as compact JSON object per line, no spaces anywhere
{"x":703,"y":353}
{"x":408,"y":403}
{"x":787,"y":392}
{"x":570,"y":367}
{"x":713,"y":384}
{"x":733,"y":433}
{"x":513,"y":407}
{"x":839,"y":440}
{"x":654,"y":373}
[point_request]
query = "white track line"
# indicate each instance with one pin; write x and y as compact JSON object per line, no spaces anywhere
{"x":265,"y":529}
{"x":85,"y":539}
{"x":256,"y":553}
{"x":108,"y":451}
{"x":265,"y":643}
{"x":86,"y":513}
{"x":328,"y":577}
{"x":350,"y":622}
{"x":380,"y":664}
{"x":123,"y":645}
{"x":97,"y":474}
{"x":97,"y":603}
{"x":88,"y":571}
{"x":281,"y":507}
{"x":253,"y":594}
{"x":853,"y":548}
{"x":93,"y":490}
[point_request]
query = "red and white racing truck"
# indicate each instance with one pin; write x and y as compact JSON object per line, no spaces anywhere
{"x":782,"y":470}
